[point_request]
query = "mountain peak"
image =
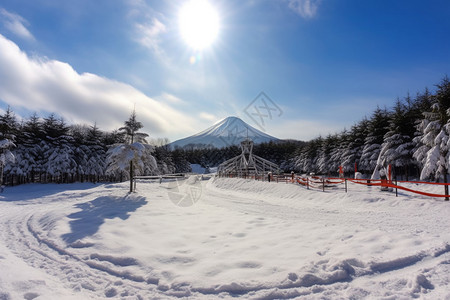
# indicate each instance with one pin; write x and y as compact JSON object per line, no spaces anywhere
{"x":227,"y":132}
{"x":229,"y":120}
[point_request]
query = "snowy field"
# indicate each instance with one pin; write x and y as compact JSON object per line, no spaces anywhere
{"x":237,"y":238}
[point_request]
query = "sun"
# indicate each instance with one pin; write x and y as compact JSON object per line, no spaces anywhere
{"x":199,"y":24}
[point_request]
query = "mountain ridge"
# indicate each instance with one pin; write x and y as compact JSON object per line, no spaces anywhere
{"x":227,"y":132}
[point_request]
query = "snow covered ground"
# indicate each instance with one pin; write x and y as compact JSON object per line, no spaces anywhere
{"x":196,"y":168}
{"x":236,"y":238}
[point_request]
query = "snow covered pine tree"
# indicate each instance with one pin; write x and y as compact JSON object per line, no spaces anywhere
{"x":5,"y":157}
{"x":7,"y":137}
{"x":397,"y":143}
{"x":435,"y":137}
{"x":135,"y":153}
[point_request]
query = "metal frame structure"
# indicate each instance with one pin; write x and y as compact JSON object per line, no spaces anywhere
{"x":247,"y":164}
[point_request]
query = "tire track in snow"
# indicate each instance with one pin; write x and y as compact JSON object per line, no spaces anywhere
{"x":23,"y":236}
{"x":24,"y":242}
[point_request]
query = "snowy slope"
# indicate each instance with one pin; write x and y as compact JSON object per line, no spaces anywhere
{"x":229,"y":131}
{"x":246,"y":239}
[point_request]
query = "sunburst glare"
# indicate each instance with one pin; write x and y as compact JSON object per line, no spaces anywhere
{"x":199,"y":24}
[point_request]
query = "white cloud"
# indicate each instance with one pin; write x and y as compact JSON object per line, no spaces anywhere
{"x":42,"y":85}
{"x":305,"y":8}
{"x":15,"y":24}
{"x":148,"y":26}
{"x":149,"y":35}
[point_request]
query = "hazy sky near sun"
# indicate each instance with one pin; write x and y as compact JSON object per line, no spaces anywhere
{"x":324,"y":64}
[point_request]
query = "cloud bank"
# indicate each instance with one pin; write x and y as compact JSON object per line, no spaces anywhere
{"x":42,"y":85}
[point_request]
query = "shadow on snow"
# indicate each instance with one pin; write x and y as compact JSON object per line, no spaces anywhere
{"x":33,"y":191}
{"x":94,"y":213}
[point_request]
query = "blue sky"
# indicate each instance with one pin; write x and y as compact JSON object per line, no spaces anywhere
{"x":324,"y":63}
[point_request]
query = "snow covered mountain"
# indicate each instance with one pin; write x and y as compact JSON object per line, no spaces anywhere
{"x":229,"y":131}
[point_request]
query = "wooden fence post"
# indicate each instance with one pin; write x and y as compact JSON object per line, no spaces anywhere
{"x":396,"y":190}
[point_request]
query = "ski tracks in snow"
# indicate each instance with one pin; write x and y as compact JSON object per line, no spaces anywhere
{"x":27,"y":234}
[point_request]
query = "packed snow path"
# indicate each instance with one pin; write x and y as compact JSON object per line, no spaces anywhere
{"x":240,"y":238}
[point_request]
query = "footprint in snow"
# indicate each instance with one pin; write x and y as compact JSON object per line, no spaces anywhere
{"x":30,"y":296}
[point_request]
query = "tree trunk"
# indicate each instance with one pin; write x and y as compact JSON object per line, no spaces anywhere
{"x":131,"y":176}
{"x":1,"y":176}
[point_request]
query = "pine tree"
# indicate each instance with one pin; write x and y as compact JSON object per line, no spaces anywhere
{"x":135,"y":153}
{"x":307,"y":158}
{"x":164,"y":160}
{"x":6,"y":156}
{"x":8,"y":125}
{"x":81,"y":150}
{"x":324,"y":157}
{"x":26,"y":152}
{"x":180,"y":161}
{"x":8,"y":128}
{"x":96,"y":158}
{"x":59,"y":152}
{"x":338,"y":151}
{"x":355,"y":144}
{"x":376,"y":129}
{"x":436,"y":135}
{"x":396,"y":149}
{"x":421,"y":104}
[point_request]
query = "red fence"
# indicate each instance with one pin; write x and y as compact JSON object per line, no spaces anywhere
{"x":322,"y":183}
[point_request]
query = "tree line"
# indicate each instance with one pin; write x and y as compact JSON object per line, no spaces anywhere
{"x":49,"y":150}
{"x":412,"y":137}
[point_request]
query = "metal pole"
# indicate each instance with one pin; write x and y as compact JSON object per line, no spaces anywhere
{"x":323,"y":184}
{"x":307,"y":183}
{"x":396,"y":190}
{"x":345,"y":184}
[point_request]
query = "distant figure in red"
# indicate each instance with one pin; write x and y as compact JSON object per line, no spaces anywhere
{"x":341,"y":172}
